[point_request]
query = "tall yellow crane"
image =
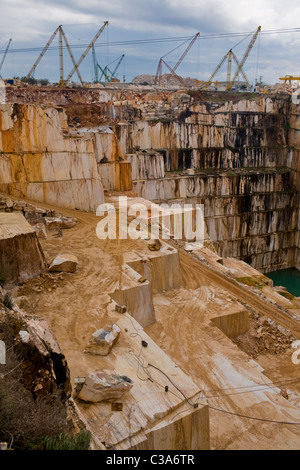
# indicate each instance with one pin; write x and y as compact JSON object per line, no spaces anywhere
{"x":229,"y":85}
{"x":75,"y":68}
{"x":229,"y":56}
{"x":62,"y":37}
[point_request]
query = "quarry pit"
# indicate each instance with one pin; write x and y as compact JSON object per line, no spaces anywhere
{"x":217,"y":369}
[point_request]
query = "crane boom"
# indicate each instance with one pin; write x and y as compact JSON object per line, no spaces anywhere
{"x":95,"y":64}
{"x":251,"y":44}
{"x":3,"y":58}
{"x":186,"y":51}
{"x":103,"y":72}
{"x":209,"y":81}
{"x":86,"y":51}
{"x":42,"y":53}
{"x":71,"y":55}
{"x":117,"y":66}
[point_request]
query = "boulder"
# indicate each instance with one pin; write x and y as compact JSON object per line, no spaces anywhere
{"x":60,"y":222}
{"x":64,"y":263}
{"x":103,"y":340}
{"x":155,"y":246}
{"x":40,"y":230}
{"x":104,"y":386}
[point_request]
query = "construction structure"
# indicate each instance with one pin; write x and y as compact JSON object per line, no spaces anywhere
{"x":107,"y":75}
{"x":4,"y":55}
{"x":173,"y":70}
{"x":229,"y":56}
{"x":289,"y":79}
{"x":62,"y":37}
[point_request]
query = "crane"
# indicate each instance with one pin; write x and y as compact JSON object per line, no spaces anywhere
{"x":289,"y":78}
{"x":172,"y":70}
{"x":95,"y":64}
{"x":113,"y":74}
{"x":75,"y":68}
{"x":4,"y":55}
{"x":62,"y":37}
{"x":239,"y":68}
{"x":229,"y":56}
{"x":106,"y":72}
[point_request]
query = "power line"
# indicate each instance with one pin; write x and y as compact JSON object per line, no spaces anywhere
{"x":156,"y":40}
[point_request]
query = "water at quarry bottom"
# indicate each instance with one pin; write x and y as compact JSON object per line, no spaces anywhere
{"x":289,"y":278}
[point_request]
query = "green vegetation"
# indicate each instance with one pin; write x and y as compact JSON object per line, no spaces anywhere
{"x":252,"y":282}
{"x":34,"y":81}
{"x":287,"y":295}
{"x":63,"y":441}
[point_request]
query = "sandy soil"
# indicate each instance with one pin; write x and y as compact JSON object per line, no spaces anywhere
{"x":75,"y":305}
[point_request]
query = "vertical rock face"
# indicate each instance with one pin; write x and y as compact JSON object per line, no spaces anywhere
{"x":39,"y":162}
{"x":21,"y":257}
{"x":243,"y":153}
{"x":235,"y":153}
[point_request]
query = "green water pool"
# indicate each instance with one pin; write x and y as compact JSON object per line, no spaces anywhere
{"x":289,"y":278}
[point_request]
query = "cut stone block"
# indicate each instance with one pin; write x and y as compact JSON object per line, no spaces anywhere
{"x":21,"y":256}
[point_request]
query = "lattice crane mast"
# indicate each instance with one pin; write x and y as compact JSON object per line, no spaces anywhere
{"x":251,"y":44}
{"x":62,"y":37}
{"x":229,"y":56}
{"x":4,"y":55}
{"x":75,"y":68}
{"x":113,"y":74}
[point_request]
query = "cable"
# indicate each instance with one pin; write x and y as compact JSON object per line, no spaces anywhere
{"x":156,"y":40}
{"x":251,"y":417}
{"x":174,"y":385}
{"x":248,"y":387}
{"x":196,"y":404}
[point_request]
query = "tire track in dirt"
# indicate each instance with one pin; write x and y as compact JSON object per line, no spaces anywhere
{"x":194,"y":270}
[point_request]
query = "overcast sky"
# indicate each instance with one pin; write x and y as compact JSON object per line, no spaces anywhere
{"x":30,"y":24}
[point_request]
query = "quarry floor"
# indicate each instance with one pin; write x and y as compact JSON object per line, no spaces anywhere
{"x":251,"y":399}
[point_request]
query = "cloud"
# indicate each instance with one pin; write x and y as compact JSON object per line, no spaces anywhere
{"x":30,"y":23}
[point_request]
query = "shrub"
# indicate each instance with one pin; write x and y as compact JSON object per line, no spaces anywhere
{"x":63,"y":441}
{"x":8,"y":301}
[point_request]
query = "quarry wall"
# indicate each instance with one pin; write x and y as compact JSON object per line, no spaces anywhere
{"x":238,"y":154}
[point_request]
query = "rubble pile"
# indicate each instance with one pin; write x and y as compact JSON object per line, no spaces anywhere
{"x":264,"y":337}
{"x":41,"y":219}
{"x":167,"y":79}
